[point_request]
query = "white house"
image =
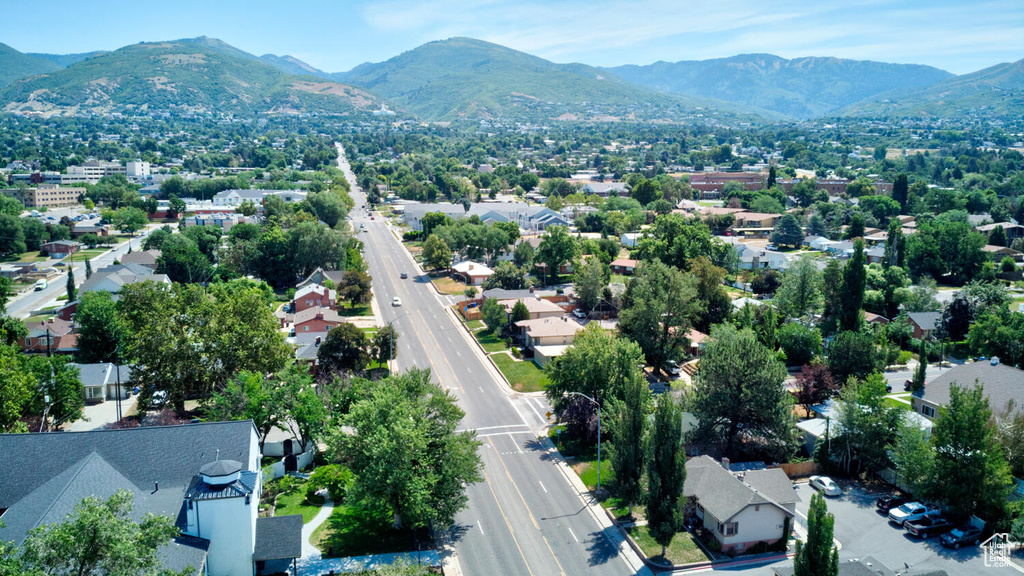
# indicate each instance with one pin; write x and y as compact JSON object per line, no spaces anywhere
{"x":739,"y":508}
{"x":629,"y":239}
{"x":473,"y":273}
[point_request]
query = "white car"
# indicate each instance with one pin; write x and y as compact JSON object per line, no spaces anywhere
{"x":579,"y":313}
{"x":396,"y":301}
{"x":910,"y":512}
{"x":826,"y":485}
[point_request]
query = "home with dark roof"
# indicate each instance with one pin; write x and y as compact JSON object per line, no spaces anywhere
{"x":104,"y":381}
{"x":147,"y":258}
{"x":739,"y":509}
{"x":1002,"y":384}
{"x":924,"y":323}
{"x":49,"y":336}
{"x":205,"y":476}
{"x":113,"y":278}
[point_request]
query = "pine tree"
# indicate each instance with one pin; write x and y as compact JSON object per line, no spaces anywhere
{"x":771,"y":177}
{"x":665,"y":471}
{"x":922,"y":366}
{"x":817,"y":557}
{"x":895,"y":244}
{"x":900,"y":190}
{"x":72,"y":292}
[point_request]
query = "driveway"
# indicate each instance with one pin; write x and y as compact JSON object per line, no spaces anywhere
{"x":863,"y":531}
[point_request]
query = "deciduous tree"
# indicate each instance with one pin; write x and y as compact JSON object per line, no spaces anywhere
{"x":557,"y":247}
{"x":343,"y":350}
{"x":658,"y":308}
{"x":436,"y":253}
{"x":818,"y":557}
{"x":598,"y":364}
{"x":666,"y":471}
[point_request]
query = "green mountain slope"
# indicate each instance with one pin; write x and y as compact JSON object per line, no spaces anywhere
{"x":292,"y":65}
{"x":15,"y":65}
{"x":192,"y":75}
{"x":994,"y":91}
{"x":802,"y":87}
{"x":65,"y":60}
{"x":463,"y":78}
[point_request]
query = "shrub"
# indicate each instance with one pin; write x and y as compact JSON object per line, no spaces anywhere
{"x":903,"y":357}
{"x":335,"y":478}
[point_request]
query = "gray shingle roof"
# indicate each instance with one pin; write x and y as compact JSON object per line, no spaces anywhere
{"x":926,"y":320}
{"x":278,"y":537}
{"x":723,"y":495}
{"x":1002,"y":383}
{"x":45,"y":475}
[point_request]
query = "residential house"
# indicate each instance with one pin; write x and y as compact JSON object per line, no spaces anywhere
{"x":147,"y":258}
{"x":319,"y":276}
{"x":820,"y":243}
{"x":1012,"y":231}
{"x":924,"y":323}
{"x":754,"y":224}
{"x":629,"y":239}
{"x":739,"y":303}
{"x":529,"y":217}
{"x":739,"y":509}
{"x":307,"y":344}
{"x":113,"y":278}
{"x":472,"y":273}
{"x":817,"y":430}
{"x":997,"y":253}
{"x":58,"y":249}
{"x":548,"y":337}
{"x":207,"y":477}
{"x":537,"y":307}
{"x":697,"y":341}
{"x":104,"y":381}
{"x":225,"y":220}
{"x":83,"y":228}
{"x":314,"y":295}
{"x":49,"y":336}
{"x":1002,"y":384}
{"x":871,"y":318}
{"x":875,"y":254}
{"x":623,"y":266}
{"x":315,"y":319}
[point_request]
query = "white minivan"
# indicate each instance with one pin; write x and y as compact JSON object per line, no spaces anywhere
{"x":41,"y":284}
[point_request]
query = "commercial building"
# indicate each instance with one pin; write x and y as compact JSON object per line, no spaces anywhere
{"x":48,"y":196}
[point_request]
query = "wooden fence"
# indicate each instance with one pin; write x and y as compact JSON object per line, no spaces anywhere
{"x":799,"y":469}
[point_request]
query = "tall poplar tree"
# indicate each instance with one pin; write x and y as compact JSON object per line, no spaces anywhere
{"x":628,"y":426}
{"x":854,"y":281}
{"x":666,"y":472}
{"x":818,"y":557}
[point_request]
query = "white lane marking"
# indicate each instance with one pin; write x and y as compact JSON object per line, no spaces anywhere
{"x":459,"y":353}
{"x":573,"y":535}
{"x":495,"y":427}
{"x":480,"y":525}
{"x":534,"y":410}
{"x":481,"y":388}
{"x":503,"y":434}
{"x":542,"y":486}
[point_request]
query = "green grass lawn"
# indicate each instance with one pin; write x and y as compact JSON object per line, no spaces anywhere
{"x":489,"y":341}
{"x":295,"y":503}
{"x":682,"y":550}
{"x":619,"y":279}
{"x":894,"y":403}
{"x":524,"y":376}
{"x":361,"y":310}
{"x":89,"y":253}
{"x":475,"y":324}
{"x":353,"y":531}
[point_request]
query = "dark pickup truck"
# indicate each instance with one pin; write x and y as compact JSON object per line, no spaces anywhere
{"x":929,"y":526}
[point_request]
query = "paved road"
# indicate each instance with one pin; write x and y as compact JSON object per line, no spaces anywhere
{"x":24,"y":304}
{"x":525,"y":518}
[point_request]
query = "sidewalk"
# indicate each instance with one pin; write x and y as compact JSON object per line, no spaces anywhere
{"x":308,"y":550}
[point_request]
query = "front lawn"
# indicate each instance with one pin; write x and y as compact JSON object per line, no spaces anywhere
{"x":475,"y":324}
{"x":682,"y":550}
{"x":294,"y":502}
{"x":354,"y":531}
{"x":489,"y":341}
{"x":523,"y":375}
{"x":894,"y":403}
{"x":446,"y":285}
{"x":360,"y":310}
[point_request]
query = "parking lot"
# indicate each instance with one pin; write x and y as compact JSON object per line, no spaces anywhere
{"x":863,"y":530}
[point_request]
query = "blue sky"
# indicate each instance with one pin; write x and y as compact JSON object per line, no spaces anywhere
{"x":956,"y":35}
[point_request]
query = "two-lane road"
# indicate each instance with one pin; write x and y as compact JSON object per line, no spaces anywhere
{"x":524,"y":518}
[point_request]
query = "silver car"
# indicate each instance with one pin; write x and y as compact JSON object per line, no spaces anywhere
{"x":826,"y":486}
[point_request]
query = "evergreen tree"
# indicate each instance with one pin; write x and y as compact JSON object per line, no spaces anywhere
{"x":854,"y":281}
{"x":832,"y":292}
{"x":922,"y":366}
{"x":665,"y":471}
{"x":817,"y":557}
{"x":771,"y":177}
{"x":900,"y":190}
{"x":72,"y":291}
{"x":997,"y":237}
{"x":787,"y":231}
{"x":856,"y":227}
{"x":88,"y":269}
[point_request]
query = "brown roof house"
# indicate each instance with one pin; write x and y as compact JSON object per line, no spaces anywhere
{"x":1002,"y":383}
{"x":739,"y":509}
{"x":548,"y":337}
{"x":623,"y":266}
{"x":60,"y":248}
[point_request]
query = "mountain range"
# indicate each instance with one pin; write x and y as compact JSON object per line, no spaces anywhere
{"x":472,"y":80}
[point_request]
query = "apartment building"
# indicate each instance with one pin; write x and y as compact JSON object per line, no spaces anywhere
{"x":49,"y":196}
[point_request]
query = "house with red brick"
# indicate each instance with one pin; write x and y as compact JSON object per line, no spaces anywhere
{"x":314,"y":296}
{"x":623,"y":266}
{"x":315,"y":319}
{"x":52,"y":334}
{"x":60,"y":248}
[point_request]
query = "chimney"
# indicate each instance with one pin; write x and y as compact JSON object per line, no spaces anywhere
{"x":725,"y":463}
{"x":470,"y":267}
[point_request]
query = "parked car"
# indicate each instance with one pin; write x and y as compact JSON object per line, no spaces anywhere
{"x":929,"y":526}
{"x":770,"y":247}
{"x":966,"y":535}
{"x":673,"y":368}
{"x":396,"y":301}
{"x":826,"y":486}
{"x":911,"y":511}
{"x":404,"y":275}
{"x":890,"y":501}
{"x":579,"y":313}
{"x":159,"y":397}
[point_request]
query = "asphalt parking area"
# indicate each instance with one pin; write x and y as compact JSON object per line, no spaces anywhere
{"x":863,"y":530}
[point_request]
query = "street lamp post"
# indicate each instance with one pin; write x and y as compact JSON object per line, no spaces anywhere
{"x":598,"y":404}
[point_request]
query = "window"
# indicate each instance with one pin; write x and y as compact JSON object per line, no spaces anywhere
{"x":730,"y":529}
{"x":305,"y":328}
{"x":928,"y":411}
